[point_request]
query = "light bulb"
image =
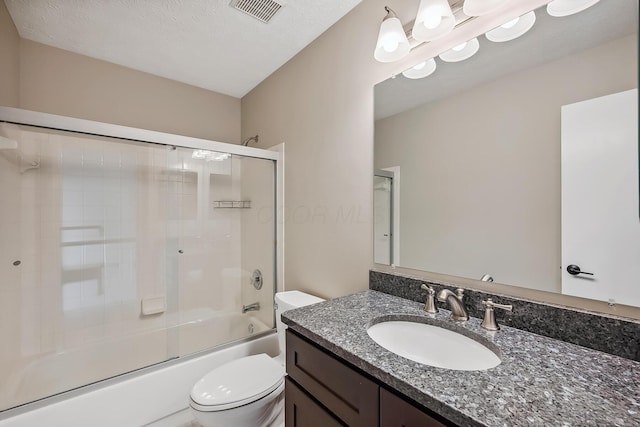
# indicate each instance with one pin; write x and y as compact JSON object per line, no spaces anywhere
{"x":432,"y":21}
{"x":461,"y":52}
{"x":568,"y":7}
{"x":390,"y":45}
{"x":512,"y":29}
{"x":510,"y":24}
{"x":420,"y":66}
{"x":459,"y":47}
{"x":421,"y":70}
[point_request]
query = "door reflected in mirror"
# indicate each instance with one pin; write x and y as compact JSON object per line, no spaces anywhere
{"x":383,"y":217}
{"x":480,"y":146}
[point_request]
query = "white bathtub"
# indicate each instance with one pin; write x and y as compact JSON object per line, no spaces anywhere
{"x":137,"y":398}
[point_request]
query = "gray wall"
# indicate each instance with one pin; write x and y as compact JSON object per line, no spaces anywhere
{"x":481,"y":168}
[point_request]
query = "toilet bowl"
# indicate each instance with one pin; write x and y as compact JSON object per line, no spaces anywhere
{"x":249,"y":391}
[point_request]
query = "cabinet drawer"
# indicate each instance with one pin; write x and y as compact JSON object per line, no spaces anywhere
{"x":395,"y":412}
{"x":349,"y":395}
{"x":302,"y":411}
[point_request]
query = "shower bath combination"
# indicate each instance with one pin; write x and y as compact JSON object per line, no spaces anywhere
{"x":123,"y":249}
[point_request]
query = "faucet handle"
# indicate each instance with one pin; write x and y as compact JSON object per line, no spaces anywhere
{"x":489,"y":321}
{"x":429,"y":289}
{"x":430,"y":302}
{"x":460,"y":293}
{"x":490,"y":304}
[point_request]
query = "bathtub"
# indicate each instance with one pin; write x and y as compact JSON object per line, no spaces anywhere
{"x":140,"y":397}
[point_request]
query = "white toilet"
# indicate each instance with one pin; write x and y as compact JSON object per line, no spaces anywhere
{"x":248,"y":392}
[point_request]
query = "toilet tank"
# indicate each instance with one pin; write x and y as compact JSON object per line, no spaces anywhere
{"x":288,"y":301}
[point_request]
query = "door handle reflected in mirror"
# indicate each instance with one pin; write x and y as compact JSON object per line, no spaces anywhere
{"x":574,"y":270}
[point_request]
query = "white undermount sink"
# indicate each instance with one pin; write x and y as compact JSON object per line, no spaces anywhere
{"x":433,"y":345}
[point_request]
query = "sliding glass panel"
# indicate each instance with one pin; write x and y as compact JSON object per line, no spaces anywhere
{"x":223,"y":225}
{"x":258,"y":242}
{"x":84,"y":261}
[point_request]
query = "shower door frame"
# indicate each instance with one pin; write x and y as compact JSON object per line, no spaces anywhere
{"x":52,"y":121}
{"x":62,"y":123}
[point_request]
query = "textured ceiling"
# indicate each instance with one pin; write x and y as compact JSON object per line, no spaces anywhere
{"x":549,"y":39}
{"x":205,"y":43}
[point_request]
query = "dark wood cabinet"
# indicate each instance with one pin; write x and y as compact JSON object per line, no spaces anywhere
{"x":346,"y":393}
{"x":322,"y":390}
{"x":302,"y":411}
{"x":396,"y":412}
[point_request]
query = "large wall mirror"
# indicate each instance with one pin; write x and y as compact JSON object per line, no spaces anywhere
{"x":519,"y":164}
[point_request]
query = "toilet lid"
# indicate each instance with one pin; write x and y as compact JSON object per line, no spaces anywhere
{"x":238,"y":383}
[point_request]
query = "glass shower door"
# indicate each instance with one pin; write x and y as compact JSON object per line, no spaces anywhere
{"x":84,"y":246}
{"x":116,"y":255}
{"x":222,"y":227}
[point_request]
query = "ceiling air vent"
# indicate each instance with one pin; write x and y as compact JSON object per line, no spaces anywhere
{"x":259,"y":9}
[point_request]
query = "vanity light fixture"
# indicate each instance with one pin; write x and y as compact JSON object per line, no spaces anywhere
{"x":434,"y":20}
{"x":421,"y":70}
{"x":392,"y":42}
{"x":481,"y":7}
{"x":568,"y":7}
{"x":461,"y":52}
{"x":512,"y":29}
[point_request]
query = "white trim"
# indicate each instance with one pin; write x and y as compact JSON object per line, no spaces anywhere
{"x":33,"y":118}
{"x":280,"y":285}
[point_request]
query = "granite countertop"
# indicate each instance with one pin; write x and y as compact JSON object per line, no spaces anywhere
{"x":540,"y":382}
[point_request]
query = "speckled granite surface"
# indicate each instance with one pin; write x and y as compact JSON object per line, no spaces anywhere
{"x":540,"y":382}
{"x":610,"y":334}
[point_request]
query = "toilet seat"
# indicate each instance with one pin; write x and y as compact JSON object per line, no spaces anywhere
{"x":237,"y":383}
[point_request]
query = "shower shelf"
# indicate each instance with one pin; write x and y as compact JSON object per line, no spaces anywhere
{"x":232,"y":204}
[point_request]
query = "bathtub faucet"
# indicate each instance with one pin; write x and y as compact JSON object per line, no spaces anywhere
{"x":251,"y":307}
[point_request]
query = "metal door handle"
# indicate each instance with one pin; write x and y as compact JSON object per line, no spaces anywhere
{"x":574,"y":270}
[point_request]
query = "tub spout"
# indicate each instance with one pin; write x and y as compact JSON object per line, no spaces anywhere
{"x":251,"y":307}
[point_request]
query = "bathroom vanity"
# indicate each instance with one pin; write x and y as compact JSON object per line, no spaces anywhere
{"x":341,"y":392}
{"x":339,"y":376}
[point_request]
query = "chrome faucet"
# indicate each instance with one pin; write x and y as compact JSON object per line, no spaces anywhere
{"x":458,"y":312}
{"x":251,"y":307}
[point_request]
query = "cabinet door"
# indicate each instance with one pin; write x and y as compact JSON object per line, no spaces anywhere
{"x":395,"y":412}
{"x":338,"y":387}
{"x":303,"y":411}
